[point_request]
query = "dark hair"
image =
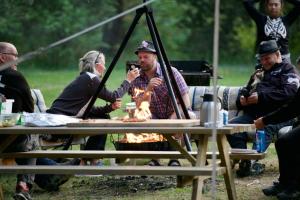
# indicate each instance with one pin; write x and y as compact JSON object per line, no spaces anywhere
{"x":267,"y":1}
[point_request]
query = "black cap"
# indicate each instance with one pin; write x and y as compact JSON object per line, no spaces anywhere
{"x":146,"y":46}
{"x":267,"y":47}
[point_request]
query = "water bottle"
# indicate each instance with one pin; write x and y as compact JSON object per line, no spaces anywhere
{"x":225,"y":117}
{"x":260,"y":141}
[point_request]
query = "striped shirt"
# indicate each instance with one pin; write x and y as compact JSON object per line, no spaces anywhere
{"x":161,"y":104}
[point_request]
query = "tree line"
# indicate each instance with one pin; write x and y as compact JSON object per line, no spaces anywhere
{"x":185,"y":27}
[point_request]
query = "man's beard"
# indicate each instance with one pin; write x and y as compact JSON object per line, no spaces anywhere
{"x":146,"y":67}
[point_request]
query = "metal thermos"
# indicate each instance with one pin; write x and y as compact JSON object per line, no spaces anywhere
{"x":207,"y":110}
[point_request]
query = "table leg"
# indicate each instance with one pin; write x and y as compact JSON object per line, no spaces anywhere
{"x":201,"y":160}
{"x":178,"y":147}
{"x":223,"y":147}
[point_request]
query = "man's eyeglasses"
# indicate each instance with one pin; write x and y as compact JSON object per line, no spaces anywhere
{"x":7,"y":53}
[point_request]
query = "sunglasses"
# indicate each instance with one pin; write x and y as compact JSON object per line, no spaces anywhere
{"x":7,"y":53}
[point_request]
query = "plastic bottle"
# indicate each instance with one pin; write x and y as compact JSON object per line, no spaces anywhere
{"x":260,"y":141}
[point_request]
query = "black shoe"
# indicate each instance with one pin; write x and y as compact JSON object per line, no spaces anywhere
{"x":257,"y":168}
{"x":154,"y":163}
{"x":244,"y":169}
{"x":174,"y":163}
{"x":289,"y":194}
{"x":273,"y":190}
{"x":22,"y":196}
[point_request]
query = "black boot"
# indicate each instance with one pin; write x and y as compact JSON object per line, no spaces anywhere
{"x":289,"y":194}
{"x":244,"y":169}
{"x":273,"y":190}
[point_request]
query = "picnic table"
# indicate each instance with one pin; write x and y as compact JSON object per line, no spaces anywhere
{"x":197,"y":172}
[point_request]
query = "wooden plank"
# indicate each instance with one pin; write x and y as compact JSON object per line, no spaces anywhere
{"x":242,"y":127}
{"x":114,"y":170}
{"x":148,"y":123}
{"x":119,"y":154}
{"x":20,"y":130}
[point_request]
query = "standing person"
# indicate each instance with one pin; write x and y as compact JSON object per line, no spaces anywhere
{"x":14,"y":86}
{"x":273,"y":26}
{"x":155,"y":89}
{"x":287,"y":148}
{"x":272,"y":86}
{"x":75,"y":98}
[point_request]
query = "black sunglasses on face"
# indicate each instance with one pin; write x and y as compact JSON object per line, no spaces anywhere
{"x":7,"y":53}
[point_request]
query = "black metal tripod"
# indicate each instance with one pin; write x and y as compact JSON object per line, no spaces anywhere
{"x":162,"y":59}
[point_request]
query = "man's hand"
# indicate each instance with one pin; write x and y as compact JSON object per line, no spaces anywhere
{"x":153,"y":83}
{"x":259,"y":124}
{"x":243,"y":101}
{"x":117,"y":104}
{"x":252,"y":99}
{"x":132,"y":74}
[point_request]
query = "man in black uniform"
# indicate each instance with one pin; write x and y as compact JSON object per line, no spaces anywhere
{"x":272,"y":86}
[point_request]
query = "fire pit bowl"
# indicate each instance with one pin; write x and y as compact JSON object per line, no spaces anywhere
{"x":144,"y":146}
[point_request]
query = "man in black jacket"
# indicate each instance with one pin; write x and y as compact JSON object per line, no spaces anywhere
{"x":288,"y":151}
{"x":14,"y":86}
{"x":271,"y":87}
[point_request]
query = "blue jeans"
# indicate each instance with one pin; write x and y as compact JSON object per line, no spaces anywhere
{"x":239,"y":140}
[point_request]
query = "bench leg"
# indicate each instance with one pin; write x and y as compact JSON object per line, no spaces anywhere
{"x":1,"y":193}
{"x":225,"y":162}
{"x":200,"y":162}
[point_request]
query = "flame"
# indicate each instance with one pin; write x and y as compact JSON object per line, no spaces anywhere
{"x":137,"y":92}
{"x":143,"y":112}
{"x":142,"y":137}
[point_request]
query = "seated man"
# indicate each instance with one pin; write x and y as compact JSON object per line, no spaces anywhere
{"x":14,"y":86}
{"x":287,"y":148}
{"x":270,"y":87}
{"x":155,"y":90}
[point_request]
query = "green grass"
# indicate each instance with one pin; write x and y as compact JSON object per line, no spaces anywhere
{"x":52,"y":82}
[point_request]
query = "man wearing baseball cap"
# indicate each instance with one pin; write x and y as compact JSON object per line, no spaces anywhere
{"x":269,"y":88}
{"x":151,"y":81}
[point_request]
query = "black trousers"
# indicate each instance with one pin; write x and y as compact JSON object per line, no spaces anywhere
{"x":288,"y":152}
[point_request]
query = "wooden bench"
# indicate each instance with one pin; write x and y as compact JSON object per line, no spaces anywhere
{"x":120,"y":154}
{"x":113,"y":170}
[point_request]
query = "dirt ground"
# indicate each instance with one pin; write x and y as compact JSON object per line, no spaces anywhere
{"x":150,"y":187}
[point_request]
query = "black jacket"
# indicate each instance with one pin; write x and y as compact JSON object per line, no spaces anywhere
{"x":14,"y":86}
{"x":277,"y":87}
{"x":286,"y":112}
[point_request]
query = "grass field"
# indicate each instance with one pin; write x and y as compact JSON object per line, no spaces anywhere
{"x":52,"y":82}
